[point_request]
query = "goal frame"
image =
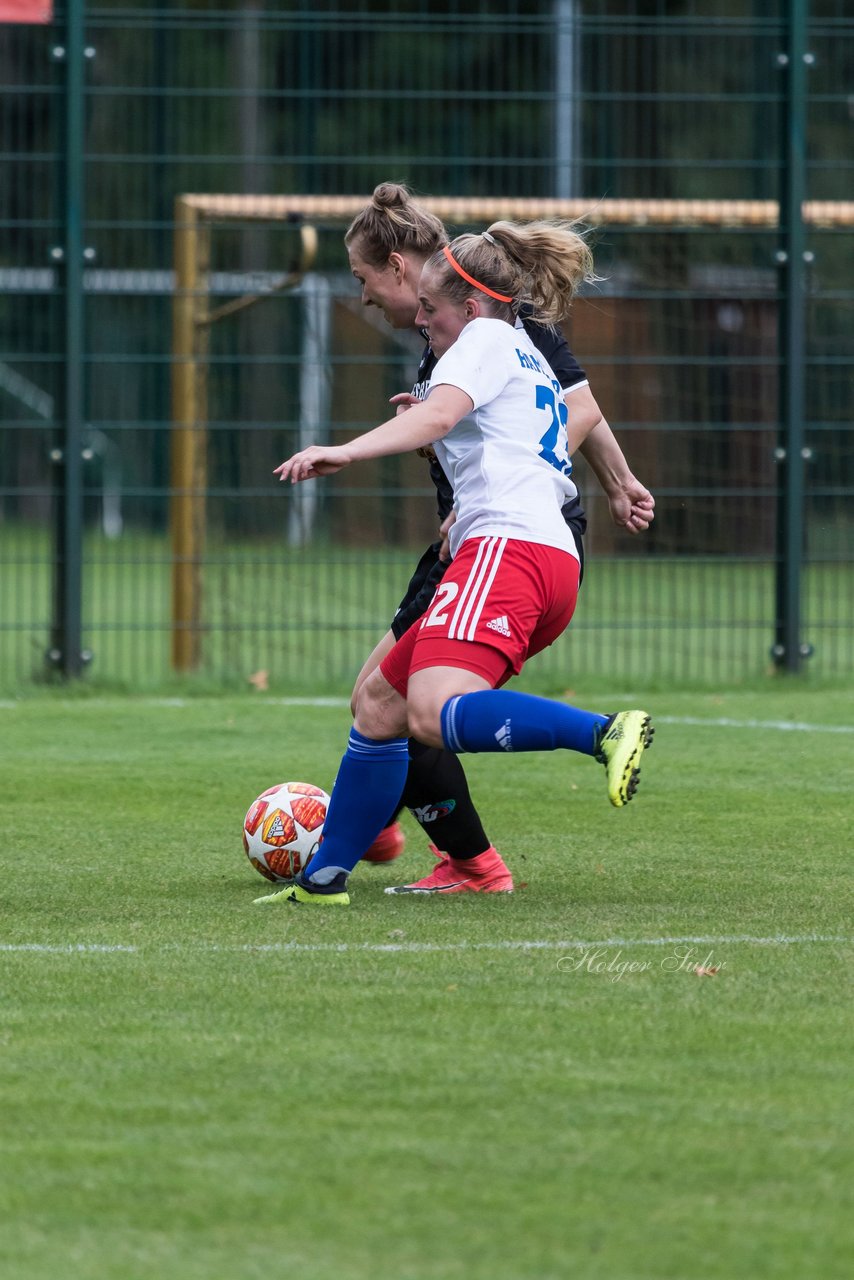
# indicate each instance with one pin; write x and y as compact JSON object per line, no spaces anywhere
{"x":196,"y":215}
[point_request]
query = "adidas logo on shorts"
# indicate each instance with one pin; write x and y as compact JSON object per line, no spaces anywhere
{"x":500,"y":625}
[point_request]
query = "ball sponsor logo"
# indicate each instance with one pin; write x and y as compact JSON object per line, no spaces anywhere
{"x":279,"y":829}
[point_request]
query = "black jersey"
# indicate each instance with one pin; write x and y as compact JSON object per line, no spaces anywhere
{"x":568,"y":372}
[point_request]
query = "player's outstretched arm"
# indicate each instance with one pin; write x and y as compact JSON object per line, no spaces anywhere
{"x":316,"y":460}
{"x":631,"y":504}
{"x":420,"y":425}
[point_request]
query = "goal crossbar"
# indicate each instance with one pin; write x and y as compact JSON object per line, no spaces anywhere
{"x":466,"y":209}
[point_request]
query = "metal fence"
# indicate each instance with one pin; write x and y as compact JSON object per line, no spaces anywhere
{"x":720,"y":350}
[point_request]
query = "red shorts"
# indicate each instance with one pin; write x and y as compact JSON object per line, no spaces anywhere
{"x":500,"y":602}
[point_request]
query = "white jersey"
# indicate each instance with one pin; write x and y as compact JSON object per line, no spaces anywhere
{"x":508,"y":460}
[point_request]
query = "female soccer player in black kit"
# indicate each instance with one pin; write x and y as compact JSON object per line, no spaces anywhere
{"x":388,"y":244}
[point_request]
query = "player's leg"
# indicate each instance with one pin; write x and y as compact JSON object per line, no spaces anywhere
{"x":438,"y":797}
{"x":391,"y":841}
{"x":370,"y":780}
{"x":385,"y":646}
{"x":436,"y":793}
{"x":504,"y":720}
{"x":480,"y":870}
{"x":527,"y":602}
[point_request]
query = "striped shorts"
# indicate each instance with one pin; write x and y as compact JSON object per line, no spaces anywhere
{"x":500,"y":602}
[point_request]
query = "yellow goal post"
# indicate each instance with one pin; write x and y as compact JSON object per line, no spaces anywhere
{"x":196,"y":217}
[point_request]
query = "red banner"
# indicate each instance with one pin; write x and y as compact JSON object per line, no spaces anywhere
{"x":26,"y":10}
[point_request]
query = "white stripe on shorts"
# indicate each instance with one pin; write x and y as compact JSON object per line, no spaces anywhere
{"x":470,"y":585}
{"x":476,"y":588}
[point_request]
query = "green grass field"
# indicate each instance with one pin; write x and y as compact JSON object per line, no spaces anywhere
{"x":537,"y":1086}
{"x":308,"y":617}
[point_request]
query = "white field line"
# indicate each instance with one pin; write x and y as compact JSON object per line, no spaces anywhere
{"x":415,"y":948}
{"x":707,"y":722}
{"x":724,"y":722}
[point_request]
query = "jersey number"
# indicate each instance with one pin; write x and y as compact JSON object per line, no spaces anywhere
{"x":547,"y":399}
{"x":446,"y":593}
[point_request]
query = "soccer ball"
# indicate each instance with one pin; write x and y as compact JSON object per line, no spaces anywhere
{"x":283,"y":828}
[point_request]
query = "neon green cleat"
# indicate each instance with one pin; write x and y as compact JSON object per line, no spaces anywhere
{"x":623,"y":741}
{"x":299,"y":891}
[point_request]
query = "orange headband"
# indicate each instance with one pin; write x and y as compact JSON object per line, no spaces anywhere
{"x":500,"y":297}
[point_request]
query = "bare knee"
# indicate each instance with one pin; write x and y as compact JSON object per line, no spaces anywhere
{"x":385,"y":646}
{"x":379,"y":711}
{"x":425,"y":723}
{"x":429,"y":691}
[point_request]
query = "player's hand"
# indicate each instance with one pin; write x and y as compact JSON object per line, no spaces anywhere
{"x":632,"y":507}
{"x":444,"y":530}
{"x":316,"y":460}
{"x":404,"y":400}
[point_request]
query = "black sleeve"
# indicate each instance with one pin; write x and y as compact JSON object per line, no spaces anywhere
{"x":552,"y":343}
{"x":444,"y":492}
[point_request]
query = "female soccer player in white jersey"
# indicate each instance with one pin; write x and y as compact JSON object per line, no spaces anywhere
{"x":496,"y":418}
{"x":388,"y":243}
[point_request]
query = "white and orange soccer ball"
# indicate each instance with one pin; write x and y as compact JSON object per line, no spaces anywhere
{"x":283,"y":828}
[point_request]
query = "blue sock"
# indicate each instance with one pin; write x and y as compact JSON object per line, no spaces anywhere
{"x":503,"y":720}
{"x":369,"y":784}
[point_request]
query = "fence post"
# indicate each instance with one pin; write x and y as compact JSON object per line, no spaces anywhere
{"x":189,"y":443}
{"x":65,"y":652}
{"x":792,"y":257}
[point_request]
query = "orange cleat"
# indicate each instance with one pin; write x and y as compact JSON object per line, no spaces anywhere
{"x":487,"y":873}
{"x":388,"y":845}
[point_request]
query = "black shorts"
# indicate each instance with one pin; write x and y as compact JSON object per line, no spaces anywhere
{"x":429,"y":573}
